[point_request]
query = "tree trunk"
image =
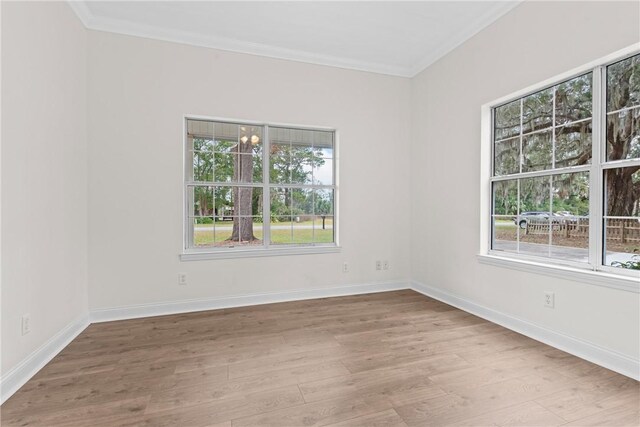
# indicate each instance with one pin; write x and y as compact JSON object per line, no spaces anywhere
{"x":243,"y":196}
{"x":323,"y":218}
{"x":621,"y":192}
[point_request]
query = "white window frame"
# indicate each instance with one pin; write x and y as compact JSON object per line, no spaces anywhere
{"x":190,"y":253}
{"x":594,"y":272}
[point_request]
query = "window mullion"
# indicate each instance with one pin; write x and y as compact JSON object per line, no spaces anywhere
{"x":596,"y":198}
{"x":266,"y":191}
{"x":544,"y":172}
{"x":187,"y":159}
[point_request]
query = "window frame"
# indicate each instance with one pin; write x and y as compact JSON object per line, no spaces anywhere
{"x":596,"y":271}
{"x":190,"y":253}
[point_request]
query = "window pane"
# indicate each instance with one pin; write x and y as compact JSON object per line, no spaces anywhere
{"x":573,"y":100}
{"x":505,"y":197}
{"x":303,"y":232}
{"x":226,"y":137}
{"x":623,"y":84}
{"x":279,"y":163}
{"x":302,"y":203}
{"x":201,"y":199}
{"x":622,"y":220}
{"x":573,"y":144}
{"x":297,"y":215}
{"x":507,"y":121}
{"x":301,"y":162}
{"x":570,"y":222}
{"x":537,"y":151}
{"x":223,"y":227}
{"x":224,"y":203}
{"x":507,"y":156}
{"x":236,"y":211}
{"x":537,"y":111}
{"x":296,"y":154}
{"x":281,"y":230}
{"x":323,"y":143}
{"x":505,"y":211}
{"x":623,"y":134}
{"x":203,"y":144}
{"x":234,"y":167}
{"x":323,"y":171}
{"x":224,"y":167}
{"x":534,"y":219}
{"x":238,"y":153}
{"x":505,"y":234}
{"x":239,"y":231}
{"x":199,"y":148}
{"x":323,"y":202}
{"x":203,"y":232}
{"x":226,"y":145}
{"x":323,"y":229}
{"x":247,"y":201}
{"x":534,"y":194}
{"x":202,"y":166}
{"x":280,"y":202}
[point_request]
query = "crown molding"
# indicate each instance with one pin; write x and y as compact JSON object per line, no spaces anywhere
{"x":97,"y":23}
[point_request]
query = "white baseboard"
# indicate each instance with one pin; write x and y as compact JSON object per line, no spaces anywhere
{"x":583,"y":349}
{"x":186,"y":306}
{"x":21,"y":373}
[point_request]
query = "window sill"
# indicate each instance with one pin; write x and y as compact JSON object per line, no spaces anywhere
{"x":599,"y":278}
{"x":251,"y":253}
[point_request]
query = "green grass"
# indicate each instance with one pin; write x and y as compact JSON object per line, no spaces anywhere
{"x":204,"y":235}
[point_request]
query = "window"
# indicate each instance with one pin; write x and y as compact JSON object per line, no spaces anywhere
{"x":258,"y":187}
{"x":565,"y":175}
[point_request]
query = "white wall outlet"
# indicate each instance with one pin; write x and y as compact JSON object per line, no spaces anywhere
{"x":549,"y":299}
{"x":378,"y":265}
{"x":26,"y":323}
{"x":182,"y":279}
{"x":385,"y":265}
{"x":345,"y":267}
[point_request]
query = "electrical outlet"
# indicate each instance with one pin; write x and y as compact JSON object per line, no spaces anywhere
{"x":549,"y":299}
{"x":26,"y":323}
{"x":378,"y":265}
{"x":345,"y":267}
{"x":182,"y":279}
{"x":385,"y":265}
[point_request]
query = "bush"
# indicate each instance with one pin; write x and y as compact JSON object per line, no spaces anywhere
{"x":634,"y":264}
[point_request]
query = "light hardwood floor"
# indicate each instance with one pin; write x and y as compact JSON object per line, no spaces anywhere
{"x":386,"y":359}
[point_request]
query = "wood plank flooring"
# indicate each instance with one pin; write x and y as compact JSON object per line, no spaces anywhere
{"x":386,"y":359}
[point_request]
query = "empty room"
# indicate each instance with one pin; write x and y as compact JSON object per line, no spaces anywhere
{"x":305,"y":213}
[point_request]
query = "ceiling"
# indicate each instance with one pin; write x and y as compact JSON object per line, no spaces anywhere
{"x":389,"y":37}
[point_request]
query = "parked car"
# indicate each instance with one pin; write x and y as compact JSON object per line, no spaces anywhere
{"x":535,"y":216}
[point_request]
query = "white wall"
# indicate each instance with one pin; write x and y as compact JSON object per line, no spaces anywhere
{"x":44,"y":174}
{"x":139,"y":90}
{"x":534,"y":42}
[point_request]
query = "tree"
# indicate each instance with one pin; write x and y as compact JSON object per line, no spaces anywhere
{"x":292,"y":164}
{"x":243,"y":196}
{"x":288,"y":164}
{"x":623,"y":137}
{"x":572,"y":146}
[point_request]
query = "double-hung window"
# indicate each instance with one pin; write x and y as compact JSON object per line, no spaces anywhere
{"x":565,"y":173}
{"x":258,"y":189}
